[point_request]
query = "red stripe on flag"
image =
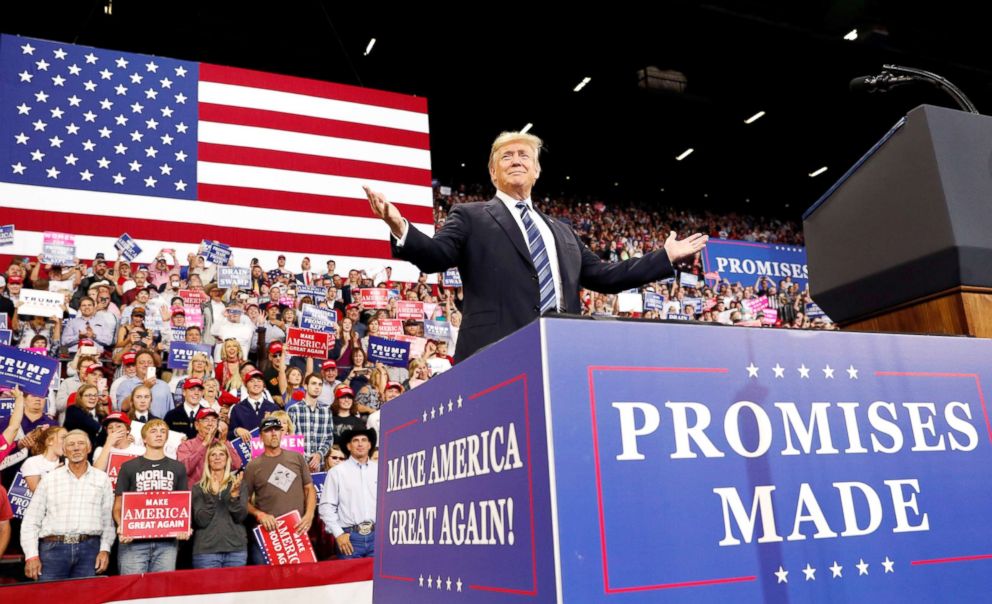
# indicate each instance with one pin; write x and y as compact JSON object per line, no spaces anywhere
{"x":262,"y":118}
{"x":305,"y":202}
{"x":184,"y":232}
{"x":317,"y":164}
{"x":341,"y":92}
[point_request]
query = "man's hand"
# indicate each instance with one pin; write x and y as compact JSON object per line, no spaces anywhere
{"x":386,"y":211}
{"x":102,"y":562}
{"x":32,"y":568}
{"x":304,"y":524}
{"x":243,"y":434}
{"x":678,"y":249}
{"x":185,"y":536}
{"x":315,"y":462}
{"x":344,"y":544}
{"x":268,"y":521}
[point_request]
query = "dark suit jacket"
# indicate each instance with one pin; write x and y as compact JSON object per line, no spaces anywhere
{"x":500,"y":283}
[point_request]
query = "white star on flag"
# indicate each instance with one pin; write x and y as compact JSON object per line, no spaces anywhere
{"x":835,"y":570}
{"x":119,"y":178}
{"x":18,"y":168}
{"x":57,"y":113}
{"x":181,"y":186}
{"x":86,"y":175}
{"x":60,"y":54}
{"x":71,"y":159}
{"x":42,"y":65}
{"x":75,"y":69}
{"x":23,"y":109}
{"x":888,"y":565}
{"x":810,"y":572}
{"x":53,"y":172}
{"x":91,"y":58}
{"x":88,"y":145}
{"x":122,"y":63}
{"x":852,"y":373}
{"x":803,"y":371}
{"x":25,"y":76}
{"x":828,"y":372}
{"x":779,"y":371}
{"x":752,"y":371}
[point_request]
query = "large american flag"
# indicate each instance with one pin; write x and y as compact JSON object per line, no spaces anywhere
{"x":97,"y":143}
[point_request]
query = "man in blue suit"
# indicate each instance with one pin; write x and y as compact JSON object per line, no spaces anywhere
{"x":517,"y":263}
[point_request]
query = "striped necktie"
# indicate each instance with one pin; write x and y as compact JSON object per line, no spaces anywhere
{"x":539,"y":254}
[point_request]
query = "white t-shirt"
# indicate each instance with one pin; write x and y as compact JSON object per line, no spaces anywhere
{"x":37,"y":465}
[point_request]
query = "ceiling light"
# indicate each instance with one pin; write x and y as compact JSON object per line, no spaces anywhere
{"x":368,"y":48}
{"x":684,"y":154}
{"x":816,"y":173}
{"x":757,"y":116}
{"x":582,"y":84}
{"x":851,"y":35}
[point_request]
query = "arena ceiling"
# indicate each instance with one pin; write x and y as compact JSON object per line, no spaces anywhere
{"x":663,"y":79}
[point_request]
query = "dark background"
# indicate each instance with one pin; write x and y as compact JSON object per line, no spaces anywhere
{"x":615,"y":140}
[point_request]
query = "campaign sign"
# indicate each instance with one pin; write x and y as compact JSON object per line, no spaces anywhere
{"x":58,"y":248}
{"x":216,"y":252}
{"x":769,"y":316}
{"x":374,"y":298}
{"x":243,"y":449}
{"x":6,"y":410}
{"x":41,"y":303}
{"x":228,"y":276}
{"x":115,"y":461}
{"x":696,"y":303}
{"x":289,"y":442}
{"x":653,"y":301}
{"x":3,"y":320}
{"x":390,"y":328}
{"x":5,"y":336}
{"x":193,"y":297}
{"x":155,"y":514}
{"x":461,"y":504}
{"x":745,"y":261}
{"x":388,"y":352}
{"x":318,"y":482}
{"x":181,"y":352}
{"x":317,"y":292}
{"x":630,"y":302}
{"x":308,"y":343}
{"x":282,"y":545}
{"x":318,"y":319}
{"x":677,"y":316}
{"x":756,"y":305}
{"x":813,"y":310}
{"x":32,"y":372}
{"x":128,"y":247}
{"x":688,"y":280}
{"x":409,"y":309}
{"x":417,"y":345}
{"x":436,"y":330}
{"x":6,"y":235}
{"x":19,"y":496}
{"x":452,"y":278}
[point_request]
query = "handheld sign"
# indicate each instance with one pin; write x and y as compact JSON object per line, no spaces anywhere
{"x":6,"y":235}
{"x":217,"y":252}
{"x":243,"y":449}
{"x":308,"y":343}
{"x":181,"y":352}
{"x":374,"y":298}
{"x":58,"y":248}
{"x":19,"y":496}
{"x":41,"y":303}
{"x":289,"y":442}
{"x":452,"y":278}
{"x":388,"y":352}
{"x":410,"y":309}
{"x":233,"y":275}
{"x":114,"y":463}
{"x":128,"y":247}
{"x":32,"y":372}
{"x":318,"y":319}
{"x":155,"y":514}
{"x":283,"y":546}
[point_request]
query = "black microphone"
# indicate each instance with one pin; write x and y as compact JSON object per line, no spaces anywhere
{"x":881,"y":83}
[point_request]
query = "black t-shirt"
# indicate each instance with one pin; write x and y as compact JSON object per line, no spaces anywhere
{"x":351,"y":422}
{"x":271,"y":377}
{"x":143,"y":474}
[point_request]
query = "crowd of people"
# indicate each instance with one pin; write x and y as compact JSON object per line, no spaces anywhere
{"x":119,"y":397}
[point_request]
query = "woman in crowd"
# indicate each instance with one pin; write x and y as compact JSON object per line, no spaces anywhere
{"x":200,"y":366}
{"x":419,"y":373}
{"x":334,"y":456}
{"x":47,"y":456}
{"x":140,"y":405}
{"x":345,"y":412}
{"x":83,"y":415}
{"x":289,"y":316}
{"x":287,"y":423}
{"x":219,"y":539}
{"x":361,"y":370}
{"x":211,"y":394}
{"x":227,"y":370}
{"x":291,"y":380}
{"x":373,"y":330}
{"x":371,"y":396}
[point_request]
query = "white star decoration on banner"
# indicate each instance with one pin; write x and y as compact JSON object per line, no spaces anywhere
{"x":442,"y":408}
{"x":803,"y":371}
{"x":836,"y":570}
{"x":440,"y":583}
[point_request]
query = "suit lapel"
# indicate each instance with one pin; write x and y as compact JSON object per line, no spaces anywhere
{"x":501,"y":215}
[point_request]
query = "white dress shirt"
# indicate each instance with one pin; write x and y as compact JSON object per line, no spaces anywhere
{"x":349,"y":495}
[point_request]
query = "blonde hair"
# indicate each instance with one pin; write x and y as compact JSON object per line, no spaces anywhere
{"x":284,"y":417}
{"x":201,"y":356}
{"x":507,"y":137}
{"x":205,"y":482}
{"x":152,"y":423}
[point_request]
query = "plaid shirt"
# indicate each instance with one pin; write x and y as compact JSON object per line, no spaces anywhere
{"x":315,"y":425}
{"x":65,"y":505}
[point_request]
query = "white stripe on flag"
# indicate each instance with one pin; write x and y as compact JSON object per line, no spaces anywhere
{"x":301,"y":104}
{"x":313,"y":144}
{"x":28,"y":197}
{"x":232,"y":175}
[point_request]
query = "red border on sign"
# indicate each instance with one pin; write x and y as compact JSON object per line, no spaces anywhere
{"x":187,"y":495}
{"x":988,"y":427}
{"x":610,"y":589}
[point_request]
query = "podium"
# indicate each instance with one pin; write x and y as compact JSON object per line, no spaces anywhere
{"x":902,"y":241}
{"x":618,"y":461}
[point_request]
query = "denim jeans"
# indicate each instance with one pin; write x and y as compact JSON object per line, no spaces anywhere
{"x":363,"y":546}
{"x":148,"y":556}
{"x":68,"y":561}
{"x":220,"y":559}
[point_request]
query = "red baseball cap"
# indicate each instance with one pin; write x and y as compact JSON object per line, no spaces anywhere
{"x":254,"y":373}
{"x":95,"y":367}
{"x":192,"y":383}
{"x":15,"y":279}
{"x":394,"y":386}
{"x":275,"y":347}
{"x":344,"y":391}
{"x":328,"y":364}
{"x":117,"y":416}
{"x":227,"y":399}
{"x":87,"y":342}
{"x":178,"y":311}
{"x":129,"y":358}
{"x":206,"y":412}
